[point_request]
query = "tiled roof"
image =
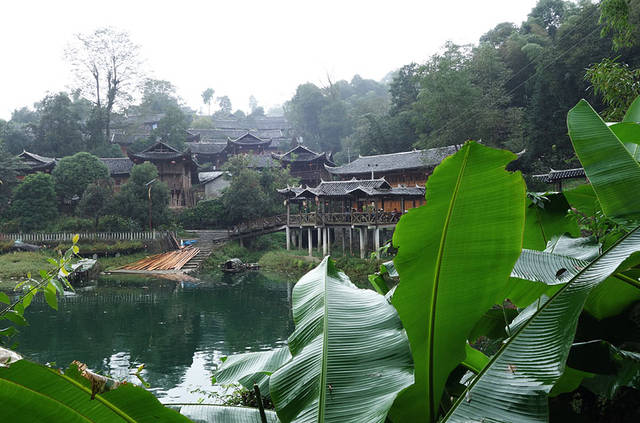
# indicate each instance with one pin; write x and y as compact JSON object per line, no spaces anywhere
{"x":249,"y":139}
{"x":262,"y":161}
{"x":395,"y":161}
{"x":301,"y":153}
{"x":233,"y":133}
{"x":160,"y":151}
{"x":354,"y":187}
{"x":118,"y":165}
{"x":558,"y":175}
{"x":206,"y":147}
{"x":205,"y":177}
{"x":34,"y":162}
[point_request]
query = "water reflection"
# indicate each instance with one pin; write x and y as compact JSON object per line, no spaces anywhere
{"x":179,"y":331}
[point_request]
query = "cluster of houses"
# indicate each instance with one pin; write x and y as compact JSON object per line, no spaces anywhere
{"x":387,"y":182}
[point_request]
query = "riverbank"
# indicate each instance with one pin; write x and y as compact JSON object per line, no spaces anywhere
{"x":14,"y":267}
{"x":269,"y":253}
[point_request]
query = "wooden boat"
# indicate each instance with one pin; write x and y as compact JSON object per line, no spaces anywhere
{"x":235,"y":265}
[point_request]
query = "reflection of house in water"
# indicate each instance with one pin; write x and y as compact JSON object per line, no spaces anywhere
{"x":408,"y":168}
{"x":176,"y":168}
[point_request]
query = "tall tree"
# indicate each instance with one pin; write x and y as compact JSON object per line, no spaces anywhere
{"x":207,"y":96}
{"x":59,"y":131}
{"x":74,"y":173}
{"x":225,"y":105}
{"x":33,"y":202}
{"x":107,"y":69}
{"x":253,"y":104}
{"x":158,"y":96}
{"x":133,"y":199}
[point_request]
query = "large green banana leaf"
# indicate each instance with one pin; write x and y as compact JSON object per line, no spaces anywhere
{"x":350,"y":354}
{"x":612,"y":171}
{"x":546,"y":217}
{"x":583,"y":199}
{"x":253,"y":367}
{"x":201,"y":413}
{"x":32,"y":393}
{"x":515,"y":384}
{"x":454,"y":258}
{"x":633,"y":112}
{"x":610,"y":367}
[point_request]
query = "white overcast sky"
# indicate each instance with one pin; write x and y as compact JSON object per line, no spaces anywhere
{"x":239,"y":47}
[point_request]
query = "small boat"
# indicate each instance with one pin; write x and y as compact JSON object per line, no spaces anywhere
{"x":235,"y":265}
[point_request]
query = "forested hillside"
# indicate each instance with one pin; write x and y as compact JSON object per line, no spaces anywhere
{"x":512,"y":89}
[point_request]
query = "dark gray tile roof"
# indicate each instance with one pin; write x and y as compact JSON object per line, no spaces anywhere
{"x":268,"y":122}
{"x":36,"y":158}
{"x":395,"y":161}
{"x":250,"y":139}
{"x":206,"y":147}
{"x":262,"y":161}
{"x":558,"y":175}
{"x":117,"y":165}
{"x":354,"y":187}
{"x":204,"y":177}
{"x":301,"y":153}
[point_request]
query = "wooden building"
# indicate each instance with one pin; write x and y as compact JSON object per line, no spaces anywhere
{"x":408,"y":168}
{"x":32,"y":163}
{"x":119,"y":170}
{"x":305,"y":164}
{"x":176,"y":168}
{"x":367,"y":206}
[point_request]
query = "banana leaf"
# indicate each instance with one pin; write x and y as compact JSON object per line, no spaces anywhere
{"x":253,"y":367}
{"x":546,"y":217}
{"x":612,"y":171}
{"x":583,"y":199}
{"x":454,"y":258}
{"x":30,"y":392}
{"x":611,"y":367}
{"x":350,"y":355}
{"x":201,"y":413}
{"x":515,"y":384}
{"x":633,"y":112}
{"x":614,"y":295}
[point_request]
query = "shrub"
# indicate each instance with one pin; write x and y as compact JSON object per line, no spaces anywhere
{"x":72,"y":224}
{"x":114,"y":223}
{"x":34,"y":202}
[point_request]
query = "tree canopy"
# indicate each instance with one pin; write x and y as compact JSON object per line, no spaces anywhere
{"x":74,"y":173}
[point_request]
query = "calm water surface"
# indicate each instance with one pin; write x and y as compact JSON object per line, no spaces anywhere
{"x":178,"y":331}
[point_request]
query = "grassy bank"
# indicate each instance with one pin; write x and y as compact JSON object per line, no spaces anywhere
{"x":14,"y":267}
{"x":268,"y":251}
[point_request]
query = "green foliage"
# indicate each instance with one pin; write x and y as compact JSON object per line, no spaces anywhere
{"x":50,"y":283}
{"x":95,"y":200}
{"x":132,"y":201}
{"x":114,"y":223}
{"x":73,"y":174}
{"x":8,"y":175}
{"x":172,"y":128}
{"x":205,"y":214}
{"x":59,"y":130}
{"x":33,"y":203}
{"x":73,"y":396}
{"x":472,"y":225}
{"x":251,"y":193}
{"x":617,"y":83}
{"x":336,"y":385}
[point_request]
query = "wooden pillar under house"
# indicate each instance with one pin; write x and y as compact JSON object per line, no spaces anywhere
{"x":325,"y":246}
{"x":350,"y":240}
{"x":343,"y":234}
{"x":363,"y":246}
{"x":288,"y":236}
{"x":310,"y":241}
{"x":376,"y":237}
{"x":319,"y":239}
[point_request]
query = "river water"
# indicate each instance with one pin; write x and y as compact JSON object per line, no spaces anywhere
{"x":179,"y":331}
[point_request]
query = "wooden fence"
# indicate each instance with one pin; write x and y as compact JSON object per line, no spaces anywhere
{"x":68,"y":236}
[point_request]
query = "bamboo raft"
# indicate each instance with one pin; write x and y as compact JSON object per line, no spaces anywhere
{"x":173,"y":260}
